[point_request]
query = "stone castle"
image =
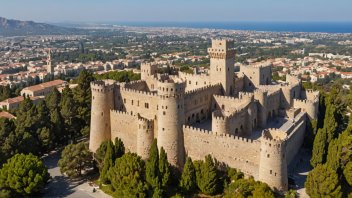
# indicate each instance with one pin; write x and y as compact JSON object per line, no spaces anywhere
{"x":243,"y":119}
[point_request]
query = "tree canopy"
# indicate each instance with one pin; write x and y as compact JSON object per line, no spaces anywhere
{"x":23,"y":175}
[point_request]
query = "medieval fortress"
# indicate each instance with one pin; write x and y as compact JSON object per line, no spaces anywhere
{"x":243,"y":119}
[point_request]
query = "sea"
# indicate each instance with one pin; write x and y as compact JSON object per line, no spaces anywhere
{"x":324,"y":27}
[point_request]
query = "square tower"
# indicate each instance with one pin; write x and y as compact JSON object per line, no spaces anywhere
{"x":222,"y":64}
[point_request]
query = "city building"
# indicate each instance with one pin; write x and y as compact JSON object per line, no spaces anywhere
{"x":42,"y":89}
{"x":243,"y":119}
{"x":13,"y":103}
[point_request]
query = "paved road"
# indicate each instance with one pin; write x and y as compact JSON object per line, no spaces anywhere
{"x":61,"y":186}
{"x":299,"y":171}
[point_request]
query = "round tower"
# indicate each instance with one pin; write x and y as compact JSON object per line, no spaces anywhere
{"x":273,"y":165}
{"x":102,"y":103}
{"x":171,"y":119}
{"x":219,"y":123}
{"x":262,"y":113}
{"x":145,"y":137}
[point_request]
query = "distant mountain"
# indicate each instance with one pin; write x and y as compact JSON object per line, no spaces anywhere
{"x":9,"y":27}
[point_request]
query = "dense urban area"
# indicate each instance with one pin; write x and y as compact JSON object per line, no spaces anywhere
{"x":45,"y":102}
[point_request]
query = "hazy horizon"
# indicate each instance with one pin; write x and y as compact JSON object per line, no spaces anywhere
{"x":107,"y":11}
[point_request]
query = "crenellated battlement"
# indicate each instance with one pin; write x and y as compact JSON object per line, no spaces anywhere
{"x":305,"y":101}
{"x":123,"y":113}
{"x":205,"y":88}
{"x":274,"y":135}
{"x":142,"y":119}
{"x":240,"y":99}
{"x":138,"y":91}
{"x":242,"y":94}
{"x":102,"y":86}
{"x":188,"y":75}
{"x":271,"y":88}
{"x":190,"y":129}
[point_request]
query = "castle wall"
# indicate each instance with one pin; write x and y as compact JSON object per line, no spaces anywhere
{"x":195,"y":81}
{"x":228,"y":105}
{"x":296,"y":137}
{"x":198,"y":103}
{"x":256,"y":75}
{"x":137,"y":85}
{"x":273,"y":104}
{"x":234,"y":151}
{"x":239,"y":84}
{"x":311,"y":107}
{"x":137,"y":102}
{"x":124,"y":126}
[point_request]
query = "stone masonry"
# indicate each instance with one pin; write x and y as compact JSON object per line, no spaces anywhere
{"x":243,"y":119}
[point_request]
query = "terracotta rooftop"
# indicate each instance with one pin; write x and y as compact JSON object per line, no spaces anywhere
{"x":45,"y":85}
{"x":18,"y":99}
{"x":7,"y":115}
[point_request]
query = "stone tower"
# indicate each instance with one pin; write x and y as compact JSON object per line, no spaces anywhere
{"x":273,"y":164}
{"x":145,"y":137}
{"x":102,"y":103}
{"x":261,"y":97}
{"x":49,"y":65}
{"x":148,"y":70}
{"x":222,"y":61}
{"x":170,"y":117}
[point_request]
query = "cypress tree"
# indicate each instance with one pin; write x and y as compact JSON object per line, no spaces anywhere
{"x":188,"y":179}
{"x":164,"y":168}
{"x":319,"y":151}
{"x":333,"y":157}
{"x":152,"y":167}
{"x":322,"y":181}
{"x":109,"y":159}
{"x":330,"y":123}
{"x":99,"y":154}
{"x":119,"y":148}
{"x":209,"y":183}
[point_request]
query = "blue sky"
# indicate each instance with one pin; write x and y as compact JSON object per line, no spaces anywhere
{"x":176,"y":10}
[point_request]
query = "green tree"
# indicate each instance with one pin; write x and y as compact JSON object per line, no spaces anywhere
{"x":333,"y":157}
{"x":164,"y":169}
{"x":108,"y":163}
{"x":7,"y":128}
{"x":209,"y":181}
{"x":330,"y":123}
{"x":262,"y":190}
{"x":347,"y":172}
{"x":188,"y":182}
{"x":322,"y":181}
{"x":53,"y":103}
{"x":75,"y":158}
{"x":128,"y":176}
{"x":318,"y":153}
{"x":152,"y":166}
{"x":119,"y":148}
{"x":24,"y":174}
{"x":44,"y":126}
{"x":69,"y":112}
{"x":291,"y":194}
{"x":99,"y":155}
{"x":25,"y":138}
{"x":83,"y":96}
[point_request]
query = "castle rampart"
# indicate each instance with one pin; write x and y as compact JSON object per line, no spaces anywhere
{"x":225,"y":148}
{"x":102,"y":102}
{"x":161,"y":105}
{"x":273,"y":165}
